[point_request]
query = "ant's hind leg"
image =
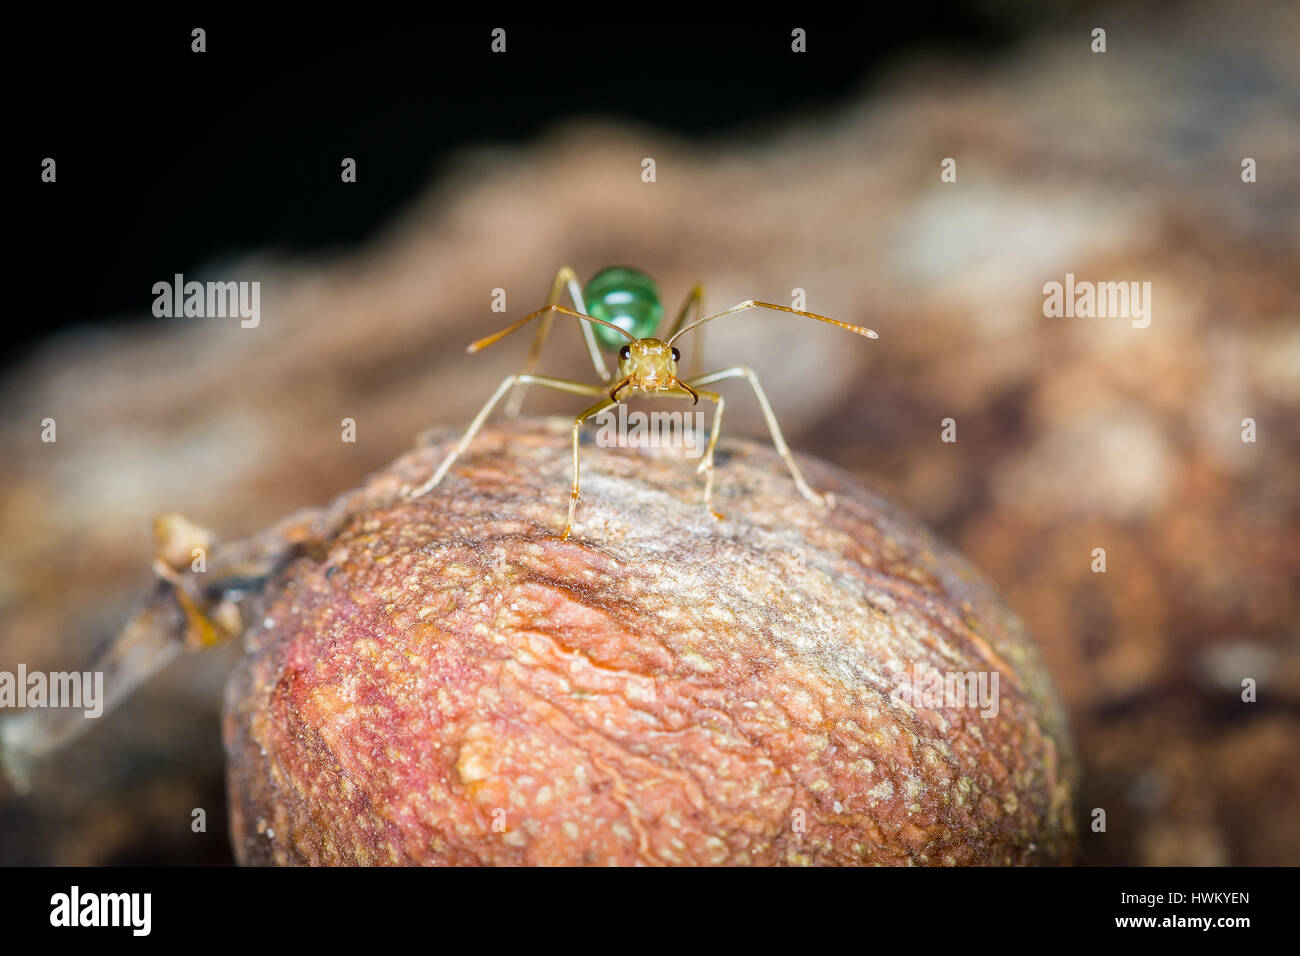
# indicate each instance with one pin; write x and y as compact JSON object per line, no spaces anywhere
{"x":566,"y":277}
{"x":778,"y":440}
{"x":696,"y":299}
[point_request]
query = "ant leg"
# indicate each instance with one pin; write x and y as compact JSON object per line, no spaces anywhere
{"x":603,"y":405}
{"x":565,"y":277}
{"x":519,"y":378}
{"x":740,"y":371}
{"x":706,"y":465}
{"x":696,"y":298}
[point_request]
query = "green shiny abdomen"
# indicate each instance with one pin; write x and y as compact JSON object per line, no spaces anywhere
{"x":626,"y":297}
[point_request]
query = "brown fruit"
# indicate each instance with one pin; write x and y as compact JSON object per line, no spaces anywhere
{"x":444,"y":681}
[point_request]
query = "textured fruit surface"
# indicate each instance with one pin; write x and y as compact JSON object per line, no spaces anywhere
{"x":444,"y":681}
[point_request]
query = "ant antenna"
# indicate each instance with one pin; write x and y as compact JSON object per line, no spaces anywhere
{"x":752,"y":304}
{"x":498,"y":336}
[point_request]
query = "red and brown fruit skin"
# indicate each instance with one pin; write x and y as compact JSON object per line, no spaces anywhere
{"x":444,"y":681}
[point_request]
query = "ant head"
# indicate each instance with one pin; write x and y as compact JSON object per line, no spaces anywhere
{"x":652,"y":364}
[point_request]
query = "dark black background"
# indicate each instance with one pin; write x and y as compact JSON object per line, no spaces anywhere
{"x":168,"y":159}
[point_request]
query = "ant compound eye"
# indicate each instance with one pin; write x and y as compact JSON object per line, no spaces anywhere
{"x":625,"y":352}
{"x":677,"y":355}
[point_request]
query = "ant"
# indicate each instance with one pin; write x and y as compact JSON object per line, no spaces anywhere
{"x":621,"y":303}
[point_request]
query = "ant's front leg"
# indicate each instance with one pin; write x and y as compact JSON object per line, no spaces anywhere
{"x":594,"y":410}
{"x":706,"y":464}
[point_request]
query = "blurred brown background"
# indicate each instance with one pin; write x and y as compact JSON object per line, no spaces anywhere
{"x":1072,"y":433}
